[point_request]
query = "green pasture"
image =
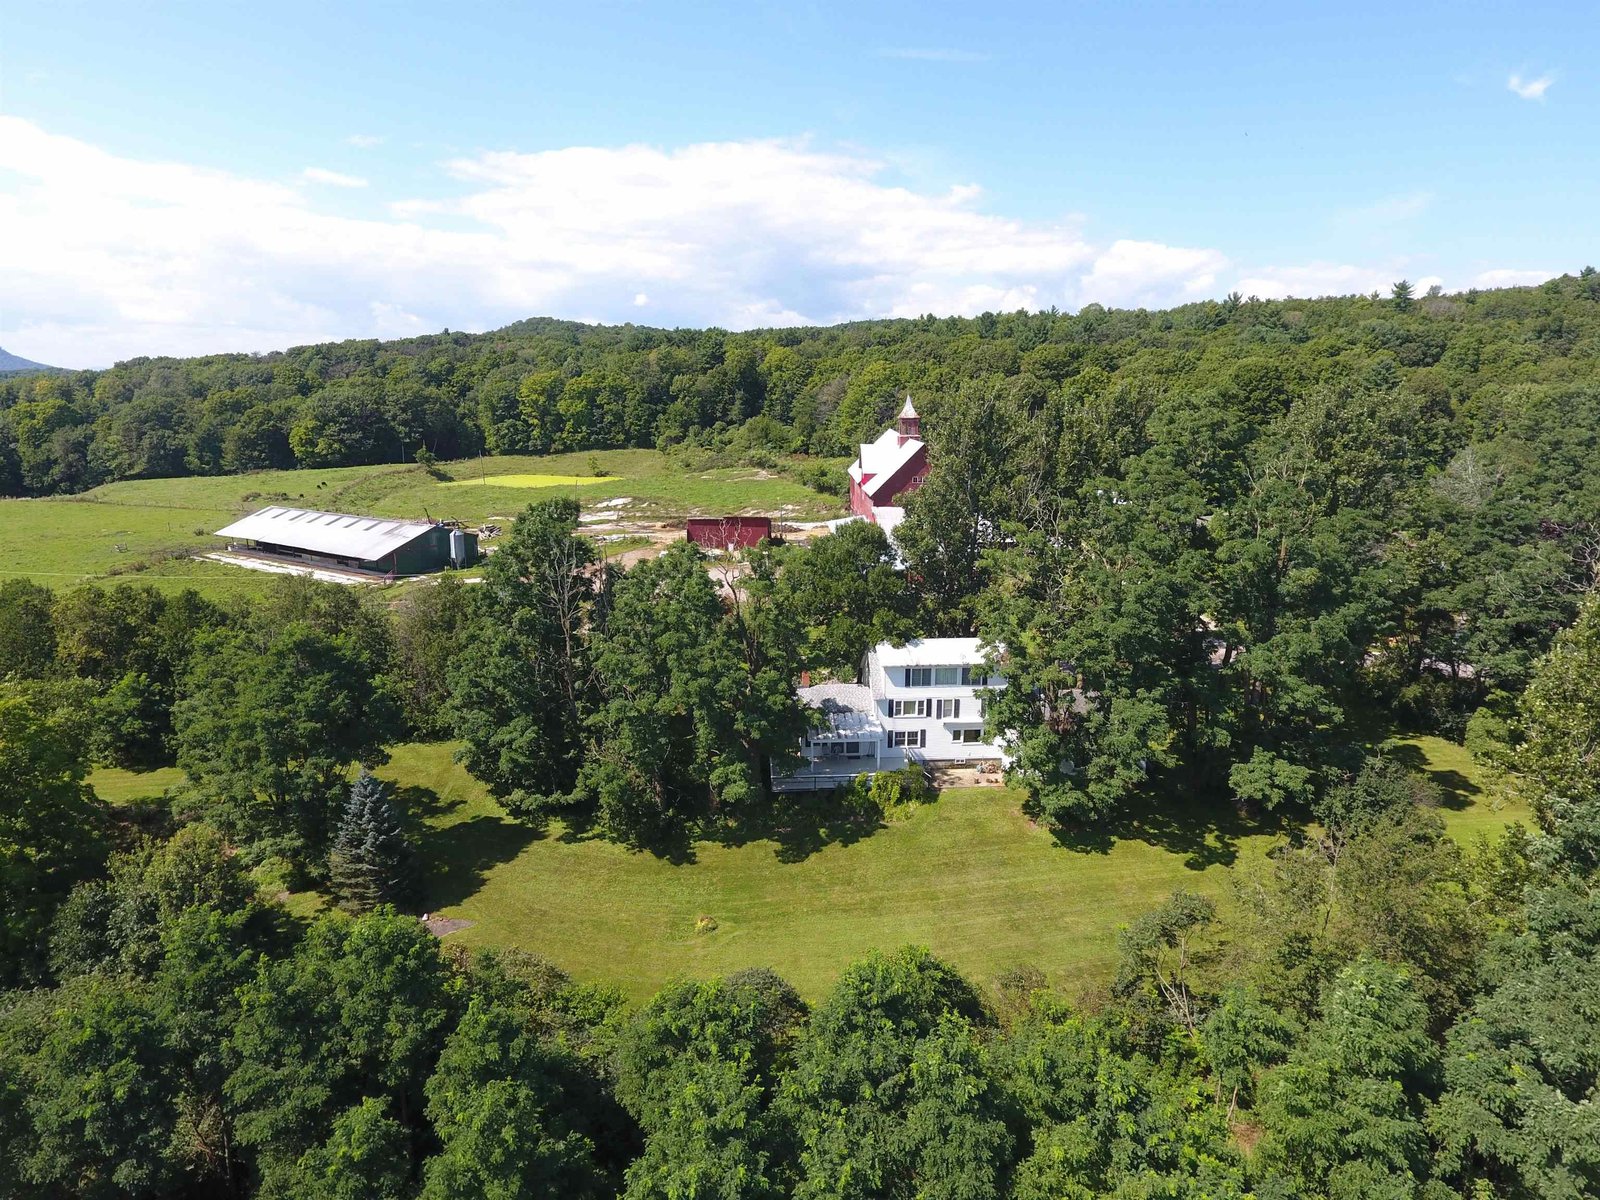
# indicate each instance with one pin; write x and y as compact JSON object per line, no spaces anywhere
{"x":969,"y":876}
{"x":134,"y":529}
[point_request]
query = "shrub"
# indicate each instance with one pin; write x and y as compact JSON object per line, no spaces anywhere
{"x":1490,"y":735}
{"x":429,"y":462}
{"x":823,"y":478}
{"x":890,"y":792}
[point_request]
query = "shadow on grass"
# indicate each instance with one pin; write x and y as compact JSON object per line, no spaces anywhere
{"x":1457,"y":791}
{"x":797,"y":825}
{"x":419,"y":804}
{"x":800,"y":824}
{"x":1205,"y":831}
{"x":674,"y":844}
{"x":456,"y":859}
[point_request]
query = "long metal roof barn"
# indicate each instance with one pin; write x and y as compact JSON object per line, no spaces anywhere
{"x":340,"y":534}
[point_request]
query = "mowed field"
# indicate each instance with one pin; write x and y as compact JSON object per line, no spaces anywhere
{"x":132,"y":530}
{"x":969,"y":876}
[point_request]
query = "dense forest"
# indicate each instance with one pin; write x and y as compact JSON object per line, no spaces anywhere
{"x":545,"y":385}
{"x":1216,"y":552}
{"x":1382,"y":1013}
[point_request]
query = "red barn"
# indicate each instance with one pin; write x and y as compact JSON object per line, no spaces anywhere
{"x":727,"y":533}
{"x":891,"y":467}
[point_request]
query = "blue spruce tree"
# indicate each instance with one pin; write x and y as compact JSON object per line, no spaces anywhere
{"x":371,"y":861}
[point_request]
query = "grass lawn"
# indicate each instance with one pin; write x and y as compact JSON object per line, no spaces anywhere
{"x":969,"y":876}
{"x":116,"y":785}
{"x":129,"y":530}
{"x":1472,"y":806}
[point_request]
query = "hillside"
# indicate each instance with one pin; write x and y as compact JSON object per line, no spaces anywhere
{"x":544,"y":386}
{"x":147,"y":530}
{"x":15,"y":363}
{"x":1254,"y":574}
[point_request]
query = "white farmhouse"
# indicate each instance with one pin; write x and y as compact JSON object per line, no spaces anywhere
{"x":920,"y":703}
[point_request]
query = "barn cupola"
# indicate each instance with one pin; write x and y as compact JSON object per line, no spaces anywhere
{"x":908,"y":425}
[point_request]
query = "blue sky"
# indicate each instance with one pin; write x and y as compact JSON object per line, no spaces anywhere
{"x":186,"y":178}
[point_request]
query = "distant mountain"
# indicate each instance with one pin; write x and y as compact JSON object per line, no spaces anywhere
{"x":11,"y":364}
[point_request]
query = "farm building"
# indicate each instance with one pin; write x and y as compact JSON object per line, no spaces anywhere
{"x":922,"y":703}
{"x":893,"y":466}
{"x":377,"y":545}
{"x":728,"y":533}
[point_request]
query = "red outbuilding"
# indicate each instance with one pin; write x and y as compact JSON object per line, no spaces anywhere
{"x":728,"y":533}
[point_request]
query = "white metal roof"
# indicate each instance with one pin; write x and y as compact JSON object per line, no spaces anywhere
{"x":888,"y":517}
{"x":366,"y":538}
{"x":880,"y":460}
{"x":931,"y":652}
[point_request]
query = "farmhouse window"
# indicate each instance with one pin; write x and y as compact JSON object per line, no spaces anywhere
{"x":948,"y":709}
{"x":946,"y":676}
{"x":919,"y":676}
{"x":908,"y":708}
{"x":968,"y":737}
{"x":914,"y":739}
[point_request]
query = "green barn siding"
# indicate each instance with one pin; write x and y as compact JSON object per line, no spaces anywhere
{"x":430,"y":552}
{"x":424,"y":554}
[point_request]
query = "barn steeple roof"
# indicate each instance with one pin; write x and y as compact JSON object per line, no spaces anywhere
{"x":908,"y":425}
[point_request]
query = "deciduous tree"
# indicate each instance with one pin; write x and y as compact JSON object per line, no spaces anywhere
{"x":268,"y":728}
{"x":52,"y":827}
{"x":891,"y":1094}
{"x":521,"y":685}
{"x":1344,"y":1114}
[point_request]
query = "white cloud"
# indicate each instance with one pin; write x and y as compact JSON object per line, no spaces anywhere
{"x":1144,"y":274}
{"x":1317,"y":279}
{"x":1346,"y":279}
{"x":332,"y":178}
{"x":1530,"y":89}
{"x":934,"y":54}
{"x":1510,"y":277}
{"x":392,"y":321}
{"x":364,"y":141}
{"x":108,"y":257}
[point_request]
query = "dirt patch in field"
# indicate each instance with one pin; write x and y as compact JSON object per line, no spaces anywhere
{"x":439,"y":926}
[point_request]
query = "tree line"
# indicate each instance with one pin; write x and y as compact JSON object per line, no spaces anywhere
{"x":543,"y":385}
{"x":1380,"y":1012}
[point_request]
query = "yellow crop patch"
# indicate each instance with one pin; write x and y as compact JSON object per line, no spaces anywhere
{"x":529,"y":481}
